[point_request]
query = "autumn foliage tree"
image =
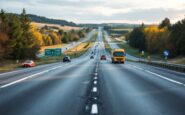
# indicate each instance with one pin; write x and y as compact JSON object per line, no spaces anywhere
{"x":19,"y":43}
{"x":156,"y":39}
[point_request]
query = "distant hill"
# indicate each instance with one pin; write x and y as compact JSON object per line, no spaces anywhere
{"x":41,"y":19}
{"x":110,"y":25}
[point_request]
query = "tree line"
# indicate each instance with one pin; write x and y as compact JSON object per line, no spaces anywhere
{"x":19,"y":39}
{"x":155,"y":39}
{"x":42,"y":19}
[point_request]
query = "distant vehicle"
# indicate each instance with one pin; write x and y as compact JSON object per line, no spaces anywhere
{"x":66,"y":59}
{"x":92,"y":57}
{"x":103,"y":57}
{"x":118,"y":56}
{"x":28,"y":63}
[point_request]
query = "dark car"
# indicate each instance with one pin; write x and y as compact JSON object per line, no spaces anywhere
{"x":66,"y":59}
{"x":103,"y":57}
{"x":92,"y":57}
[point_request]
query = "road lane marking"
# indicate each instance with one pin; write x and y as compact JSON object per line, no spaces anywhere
{"x":158,"y":75}
{"x":33,"y":75}
{"x":94,"y":109}
{"x":94,"y":89}
{"x":163,"y":77}
{"x":138,"y":68}
{"x":12,"y":72}
{"x":95,"y":78}
{"x":25,"y":78}
{"x":95,"y":82}
{"x":28,"y":77}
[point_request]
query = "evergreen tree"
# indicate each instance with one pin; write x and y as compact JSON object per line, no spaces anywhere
{"x":165,"y":23}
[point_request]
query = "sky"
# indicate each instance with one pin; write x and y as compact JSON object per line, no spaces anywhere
{"x":101,"y":11}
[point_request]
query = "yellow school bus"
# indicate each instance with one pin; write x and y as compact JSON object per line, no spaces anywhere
{"x":118,"y":56}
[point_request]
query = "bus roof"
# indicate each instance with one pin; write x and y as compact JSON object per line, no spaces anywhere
{"x":119,"y":50}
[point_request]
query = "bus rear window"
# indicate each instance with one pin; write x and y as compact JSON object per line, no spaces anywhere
{"x":118,"y":54}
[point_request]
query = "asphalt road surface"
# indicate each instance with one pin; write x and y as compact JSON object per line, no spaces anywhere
{"x":92,"y":87}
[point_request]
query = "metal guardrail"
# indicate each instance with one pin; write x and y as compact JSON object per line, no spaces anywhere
{"x":176,"y":67}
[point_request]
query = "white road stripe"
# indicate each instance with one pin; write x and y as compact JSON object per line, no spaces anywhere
{"x":28,"y":77}
{"x":33,"y":75}
{"x":95,"y":82}
{"x":95,"y":77}
{"x":138,"y":68}
{"x":12,"y":72}
{"x":94,"y":109}
{"x":163,"y":77}
{"x":94,"y":89}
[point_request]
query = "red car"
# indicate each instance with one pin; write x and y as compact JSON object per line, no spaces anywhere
{"x":103,"y":57}
{"x":28,"y":63}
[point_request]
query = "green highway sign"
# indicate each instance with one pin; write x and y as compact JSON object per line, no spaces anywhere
{"x":53,"y":52}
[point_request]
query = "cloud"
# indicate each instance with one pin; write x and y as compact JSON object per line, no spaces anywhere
{"x":98,"y":11}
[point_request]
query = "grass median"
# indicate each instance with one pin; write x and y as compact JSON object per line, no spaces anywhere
{"x":107,"y":45}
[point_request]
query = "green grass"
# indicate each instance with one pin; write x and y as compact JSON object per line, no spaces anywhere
{"x":107,"y":46}
{"x":135,"y":52}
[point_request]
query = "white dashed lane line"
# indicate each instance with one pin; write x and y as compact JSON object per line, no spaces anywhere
{"x":94,"y":109}
{"x":95,"y":74}
{"x":158,"y":75}
{"x":94,"y":89}
{"x":95,"y":82}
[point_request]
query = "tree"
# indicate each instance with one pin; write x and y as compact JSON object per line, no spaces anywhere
{"x":55,"y":38}
{"x":47,"y":40}
{"x":137,"y":39}
{"x":65,"y":38}
{"x":81,"y":34}
{"x":16,"y":33}
{"x":4,"y":45}
{"x":3,"y":21}
{"x":156,"y":39}
{"x":177,"y":38}
{"x":165,"y":23}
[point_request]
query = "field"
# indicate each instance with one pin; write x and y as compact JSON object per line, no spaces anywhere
{"x":82,"y":47}
{"x":65,"y":28}
{"x":118,"y":31}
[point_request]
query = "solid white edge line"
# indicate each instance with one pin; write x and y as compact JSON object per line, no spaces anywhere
{"x":161,"y":76}
{"x":12,"y":72}
{"x":168,"y":79}
{"x":28,"y":77}
{"x":33,"y":75}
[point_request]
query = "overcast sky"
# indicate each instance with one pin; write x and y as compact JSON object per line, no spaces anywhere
{"x":100,"y":11}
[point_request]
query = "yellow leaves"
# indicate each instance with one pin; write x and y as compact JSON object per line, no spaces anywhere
{"x":37,"y":35}
{"x":153,"y":29}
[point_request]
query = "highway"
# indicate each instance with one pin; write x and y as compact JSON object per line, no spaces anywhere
{"x":93,"y":87}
